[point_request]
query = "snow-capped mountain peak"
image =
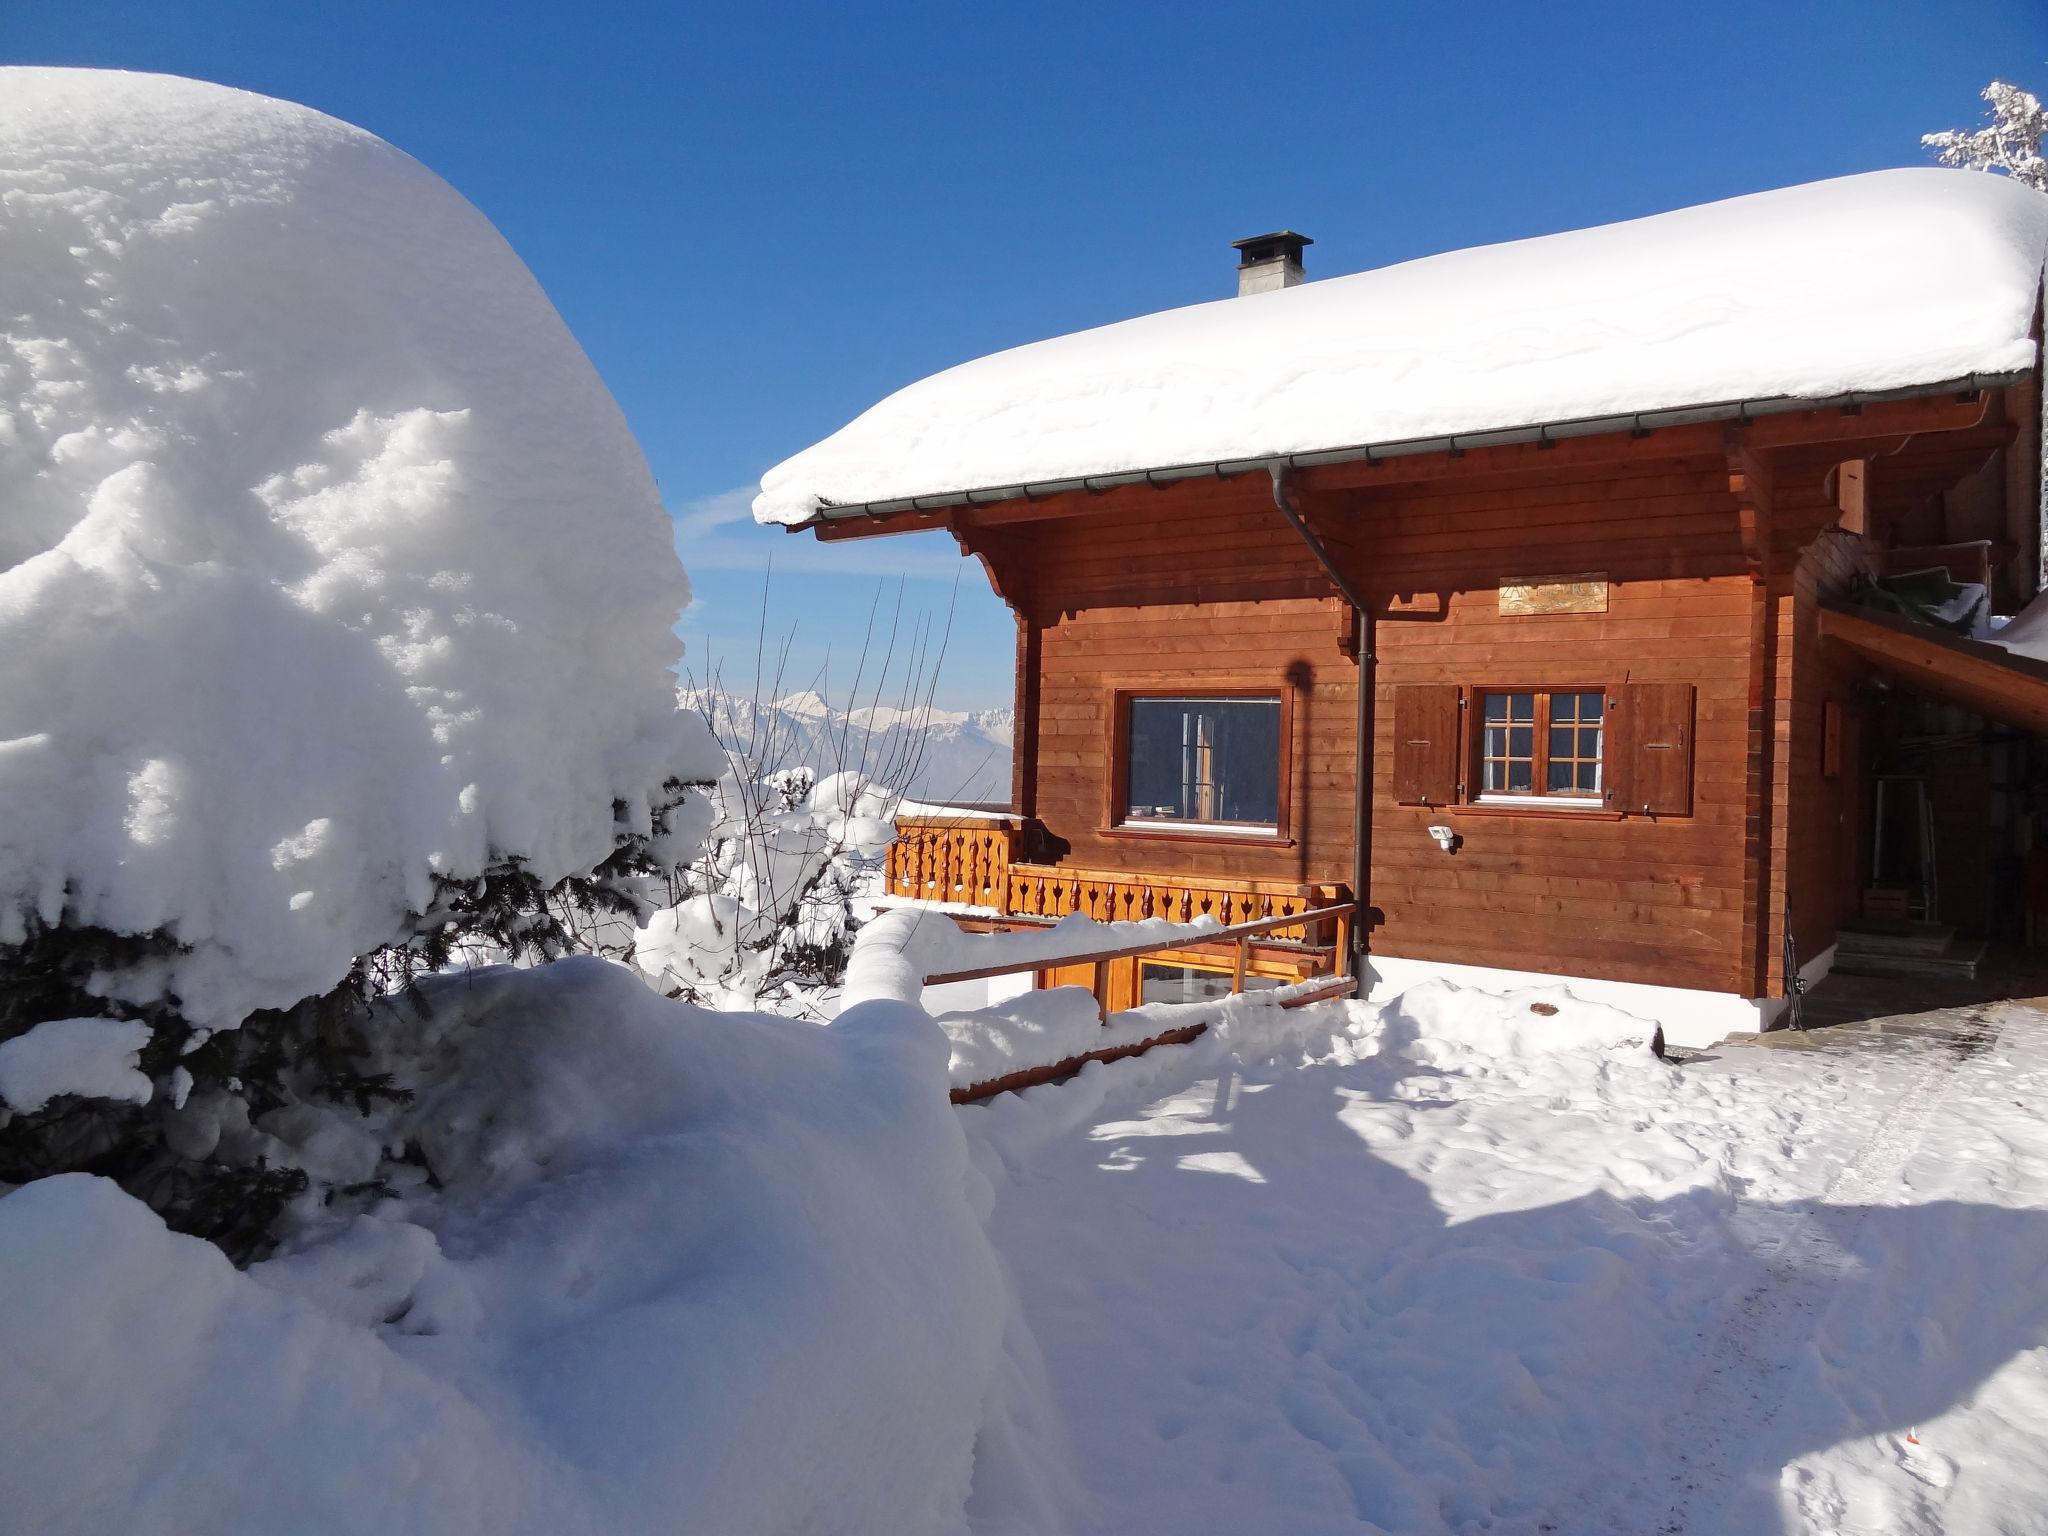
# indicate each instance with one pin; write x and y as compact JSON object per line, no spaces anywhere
{"x":938,"y":755}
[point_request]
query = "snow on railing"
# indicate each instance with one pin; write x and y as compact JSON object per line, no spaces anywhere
{"x":1242,"y":933}
{"x":1039,"y":1041}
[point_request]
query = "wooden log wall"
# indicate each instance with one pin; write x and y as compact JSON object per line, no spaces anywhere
{"x":1816,"y":803}
{"x":1218,"y":594}
{"x":1202,"y":586}
{"x":1633,"y":898}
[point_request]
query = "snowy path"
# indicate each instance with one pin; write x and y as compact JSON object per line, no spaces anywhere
{"x":1803,"y":1255}
{"x":1443,"y":1289}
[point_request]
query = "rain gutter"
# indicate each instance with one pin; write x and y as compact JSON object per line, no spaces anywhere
{"x":1638,"y":423}
{"x":1362,"y":630}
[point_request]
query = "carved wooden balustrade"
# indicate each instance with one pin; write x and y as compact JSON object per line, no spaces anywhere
{"x":1124,"y":896}
{"x":964,"y":860}
{"x":973,"y":861}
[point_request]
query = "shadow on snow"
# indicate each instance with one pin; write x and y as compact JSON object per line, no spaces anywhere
{"x":1257,"y":1323}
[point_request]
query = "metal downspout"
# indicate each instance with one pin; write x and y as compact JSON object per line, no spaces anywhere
{"x":1362,"y":638}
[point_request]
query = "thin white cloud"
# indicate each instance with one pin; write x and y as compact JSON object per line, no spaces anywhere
{"x":709,"y":513}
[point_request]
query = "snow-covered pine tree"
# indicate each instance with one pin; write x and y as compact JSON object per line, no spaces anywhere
{"x":211,"y":1148}
{"x":2011,"y":142}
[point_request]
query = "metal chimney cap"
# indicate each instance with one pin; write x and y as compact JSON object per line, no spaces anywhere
{"x":1281,"y":244}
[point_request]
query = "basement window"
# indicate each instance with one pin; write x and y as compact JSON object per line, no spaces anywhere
{"x":1160,"y":982}
{"x":1542,"y":747}
{"x":1202,"y":764}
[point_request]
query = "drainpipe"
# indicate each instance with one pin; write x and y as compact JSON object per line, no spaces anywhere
{"x":1362,"y":639}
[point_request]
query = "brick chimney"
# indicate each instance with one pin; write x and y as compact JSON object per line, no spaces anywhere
{"x":1266,"y":262}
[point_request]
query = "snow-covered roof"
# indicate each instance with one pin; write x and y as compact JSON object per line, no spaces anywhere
{"x":1890,"y":281}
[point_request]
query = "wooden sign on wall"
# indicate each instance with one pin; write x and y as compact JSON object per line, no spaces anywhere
{"x":1583,"y":593}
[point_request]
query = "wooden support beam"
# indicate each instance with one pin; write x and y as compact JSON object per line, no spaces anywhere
{"x":1749,"y":482}
{"x":875,"y":527}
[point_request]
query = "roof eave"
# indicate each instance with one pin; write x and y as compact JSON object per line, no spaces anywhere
{"x":1457,"y":442}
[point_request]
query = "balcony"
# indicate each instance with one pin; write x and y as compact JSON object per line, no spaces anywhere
{"x":969,"y":863}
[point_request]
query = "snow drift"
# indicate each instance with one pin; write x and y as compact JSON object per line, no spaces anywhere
{"x":328,"y":563}
{"x":1890,"y":280}
{"x":684,"y":1271}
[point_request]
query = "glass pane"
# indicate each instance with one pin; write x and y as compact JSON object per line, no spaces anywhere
{"x":1205,"y":760}
{"x":1161,"y":983}
{"x":1589,"y":777}
{"x":1562,"y":738}
{"x":1590,"y":705}
{"x":1508,"y":744}
{"x":1560,"y":774}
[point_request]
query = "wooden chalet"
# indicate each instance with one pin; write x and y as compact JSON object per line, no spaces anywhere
{"x":1575,"y":687}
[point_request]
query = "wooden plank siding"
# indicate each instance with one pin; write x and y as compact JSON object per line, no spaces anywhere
{"x":1652,"y":899}
{"x":1227,"y":597}
{"x":1717,"y":546}
{"x":1813,"y":560}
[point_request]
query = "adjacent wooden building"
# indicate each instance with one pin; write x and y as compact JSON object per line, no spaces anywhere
{"x":1575,"y":695}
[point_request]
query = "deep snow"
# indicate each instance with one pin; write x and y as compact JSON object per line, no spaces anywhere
{"x":1454,"y":1265}
{"x":327,"y":565}
{"x":685,"y":1270}
{"x":1874,"y":282}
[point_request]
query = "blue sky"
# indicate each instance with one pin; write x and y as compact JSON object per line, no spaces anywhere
{"x":759,"y":219}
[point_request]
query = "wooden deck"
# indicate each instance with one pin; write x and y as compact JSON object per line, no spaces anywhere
{"x":974,"y":862}
{"x":971,"y":864}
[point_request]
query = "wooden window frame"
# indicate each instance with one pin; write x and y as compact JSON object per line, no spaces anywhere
{"x":1115,"y":822}
{"x":1546,"y":802}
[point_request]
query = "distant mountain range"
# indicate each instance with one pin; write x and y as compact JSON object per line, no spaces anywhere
{"x":951,"y":756}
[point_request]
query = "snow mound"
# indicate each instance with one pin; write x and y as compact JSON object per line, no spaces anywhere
{"x":1882,"y":281}
{"x":94,"y":1058}
{"x":1440,"y":1023}
{"x":685,"y":1270}
{"x":328,"y":561}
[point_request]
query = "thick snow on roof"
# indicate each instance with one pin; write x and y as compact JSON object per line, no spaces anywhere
{"x":326,"y":560}
{"x":1875,"y":282}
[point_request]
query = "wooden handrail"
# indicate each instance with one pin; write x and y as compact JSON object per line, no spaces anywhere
{"x":1149,"y":947}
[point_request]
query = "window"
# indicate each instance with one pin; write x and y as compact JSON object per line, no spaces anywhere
{"x":1203,"y":762}
{"x":1550,"y":750}
{"x":1542,"y":744}
{"x":1162,"y":983}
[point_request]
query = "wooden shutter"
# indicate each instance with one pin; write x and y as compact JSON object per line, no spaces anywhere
{"x":1649,"y":749}
{"x":1425,"y":744}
